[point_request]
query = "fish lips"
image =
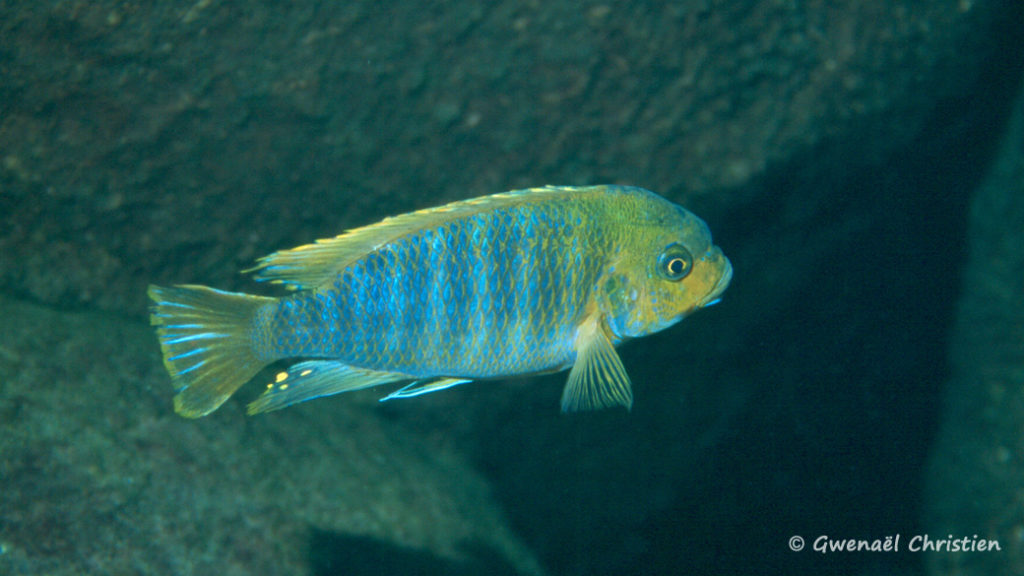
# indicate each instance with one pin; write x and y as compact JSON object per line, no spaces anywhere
{"x":712,"y":297}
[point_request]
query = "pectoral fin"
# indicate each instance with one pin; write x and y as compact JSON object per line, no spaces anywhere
{"x":597,"y":379}
{"x":316,"y":378}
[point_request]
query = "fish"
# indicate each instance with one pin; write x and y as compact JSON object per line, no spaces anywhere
{"x":524,"y":282}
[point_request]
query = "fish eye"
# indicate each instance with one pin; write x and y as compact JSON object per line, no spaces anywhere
{"x":675,"y":262}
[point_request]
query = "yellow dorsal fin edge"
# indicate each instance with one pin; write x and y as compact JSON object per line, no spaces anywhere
{"x":312,"y":265}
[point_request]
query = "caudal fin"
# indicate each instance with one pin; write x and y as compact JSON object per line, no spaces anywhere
{"x":206,"y":343}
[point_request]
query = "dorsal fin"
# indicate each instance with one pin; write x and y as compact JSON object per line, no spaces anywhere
{"x":314,"y":264}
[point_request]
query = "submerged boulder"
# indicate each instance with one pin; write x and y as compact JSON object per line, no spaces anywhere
{"x":178,"y":142}
{"x":977,"y":463}
{"x":99,"y":476}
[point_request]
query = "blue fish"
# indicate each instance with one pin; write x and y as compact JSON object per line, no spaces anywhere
{"x":524,"y":282}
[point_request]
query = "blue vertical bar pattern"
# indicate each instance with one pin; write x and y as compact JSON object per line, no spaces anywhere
{"x":492,"y":294}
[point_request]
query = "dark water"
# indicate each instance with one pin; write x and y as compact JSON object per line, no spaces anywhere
{"x":845,"y":379}
{"x":141,"y":147}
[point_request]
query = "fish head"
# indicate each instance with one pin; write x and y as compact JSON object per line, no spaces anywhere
{"x":667,"y":269}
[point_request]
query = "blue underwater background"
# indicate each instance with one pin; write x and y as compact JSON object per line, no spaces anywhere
{"x":861,"y":164}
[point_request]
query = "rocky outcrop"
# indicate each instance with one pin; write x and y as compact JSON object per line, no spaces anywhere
{"x":98,"y":476}
{"x":177,"y":143}
{"x":977,"y":469}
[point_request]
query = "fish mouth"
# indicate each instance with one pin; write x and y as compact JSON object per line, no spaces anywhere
{"x":712,"y":297}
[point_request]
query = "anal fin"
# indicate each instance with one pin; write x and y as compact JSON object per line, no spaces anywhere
{"x":316,"y":378}
{"x":597,"y":379}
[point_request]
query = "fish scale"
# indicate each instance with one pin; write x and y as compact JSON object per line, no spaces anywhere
{"x":412,"y":320}
{"x":516,"y":283}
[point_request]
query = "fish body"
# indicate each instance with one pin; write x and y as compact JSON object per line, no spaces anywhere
{"x":524,"y":282}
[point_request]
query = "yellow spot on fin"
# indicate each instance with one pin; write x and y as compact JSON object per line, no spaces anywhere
{"x":597,"y":379}
{"x":316,"y":378}
{"x":315,"y":264}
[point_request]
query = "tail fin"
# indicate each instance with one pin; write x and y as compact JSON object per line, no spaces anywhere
{"x":205,"y":339}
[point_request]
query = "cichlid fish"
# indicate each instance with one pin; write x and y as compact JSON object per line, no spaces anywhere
{"x":524,"y":282}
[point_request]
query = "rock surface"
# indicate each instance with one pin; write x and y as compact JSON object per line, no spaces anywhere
{"x":161,"y":143}
{"x":178,"y":142}
{"x":99,"y":476}
{"x":977,"y":469}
